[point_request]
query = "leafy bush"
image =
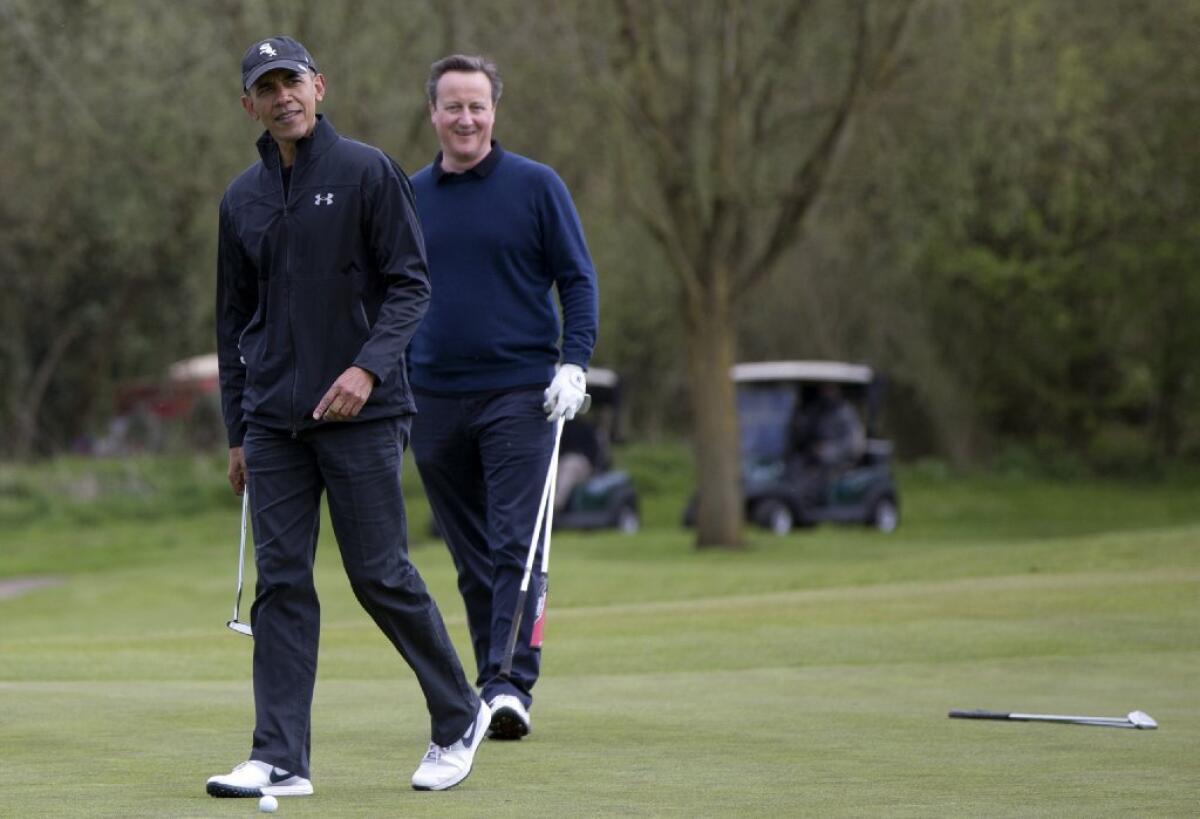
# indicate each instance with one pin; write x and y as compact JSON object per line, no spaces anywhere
{"x":91,"y":490}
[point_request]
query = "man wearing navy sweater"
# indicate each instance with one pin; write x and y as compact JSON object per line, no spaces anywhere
{"x":502,"y":235}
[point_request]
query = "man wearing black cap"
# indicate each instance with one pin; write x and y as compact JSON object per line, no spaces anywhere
{"x":321,"y":284}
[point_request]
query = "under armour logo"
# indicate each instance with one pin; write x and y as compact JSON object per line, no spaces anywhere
{"x":267,"y":50}
{"x":323,"y":199}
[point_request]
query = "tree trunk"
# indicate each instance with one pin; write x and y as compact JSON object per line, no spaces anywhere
{"x":25,"y":411}
{"x":710,"y":342}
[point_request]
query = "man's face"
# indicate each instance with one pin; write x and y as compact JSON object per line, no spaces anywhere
{"x":286,"y":103}
{"x":463,"y":116}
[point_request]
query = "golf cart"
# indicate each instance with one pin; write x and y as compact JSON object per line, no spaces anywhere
{"x":606,"y":498}
{"x":779,"y":491}
{"x":768,"y":397}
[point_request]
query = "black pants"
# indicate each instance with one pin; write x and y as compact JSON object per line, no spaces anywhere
{"x":359,"y":464}
{"x":483,"y":460}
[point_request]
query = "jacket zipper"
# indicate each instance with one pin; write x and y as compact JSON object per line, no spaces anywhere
{"x":287,"y":284}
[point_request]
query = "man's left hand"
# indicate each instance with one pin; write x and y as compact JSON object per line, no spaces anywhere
{"x":566,"y":394}
{"x":346,"y":397}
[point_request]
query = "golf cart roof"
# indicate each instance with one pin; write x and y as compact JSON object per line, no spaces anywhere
{"x":196,"y":368}
{"x":839,"y":372}
{"x":601,"y":377}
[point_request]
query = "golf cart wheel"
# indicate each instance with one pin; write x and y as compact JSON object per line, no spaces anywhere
{"x":627,"y":520}
{"x":885,"y":515}
{"x":775,"y":516}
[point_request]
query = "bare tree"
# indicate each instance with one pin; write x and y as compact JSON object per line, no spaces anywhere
{"x":739,"y":111}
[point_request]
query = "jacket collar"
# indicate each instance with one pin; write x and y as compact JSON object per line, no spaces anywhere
{"x":312,"y":146}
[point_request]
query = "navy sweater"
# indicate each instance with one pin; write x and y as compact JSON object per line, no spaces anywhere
{"x":499,"y":239}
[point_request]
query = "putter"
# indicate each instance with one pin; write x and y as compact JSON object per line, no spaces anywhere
{"x":241,"y":628}
{"x":1134,"y":719}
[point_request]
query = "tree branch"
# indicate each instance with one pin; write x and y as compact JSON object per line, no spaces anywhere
{"x":641,"y":59}
{"x":27,"y":404}
{"x":809,"y":178}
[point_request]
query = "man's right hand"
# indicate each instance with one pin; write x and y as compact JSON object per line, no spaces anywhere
{"x":237,"y":470}
{"x":567,"y":393}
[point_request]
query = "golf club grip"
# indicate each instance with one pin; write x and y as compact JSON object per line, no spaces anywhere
{"x":513,"y":632}
{"x":977,"y":714}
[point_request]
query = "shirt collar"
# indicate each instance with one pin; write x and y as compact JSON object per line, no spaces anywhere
{"x":480,"y":169}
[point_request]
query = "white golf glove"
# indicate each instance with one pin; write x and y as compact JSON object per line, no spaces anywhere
{"x":566,"y":393}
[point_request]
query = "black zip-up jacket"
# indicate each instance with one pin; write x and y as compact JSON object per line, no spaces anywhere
{"x":333,"y":276}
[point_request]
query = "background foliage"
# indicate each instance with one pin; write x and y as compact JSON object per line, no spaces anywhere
{"x":1010,"y":231}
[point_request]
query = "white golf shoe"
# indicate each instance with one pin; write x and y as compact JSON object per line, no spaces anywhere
{"x":510,"y":720}
{"x":254,"y":778}
{"x":445,"y":766}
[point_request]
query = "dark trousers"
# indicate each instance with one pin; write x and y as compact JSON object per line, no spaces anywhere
{"x":359,"y":465}
{"x":483,"y":460}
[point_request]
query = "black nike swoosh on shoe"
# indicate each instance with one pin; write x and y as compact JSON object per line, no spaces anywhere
{"x":279,"y":777}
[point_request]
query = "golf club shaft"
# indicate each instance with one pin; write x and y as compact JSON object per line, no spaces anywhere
{"x":237,"y":600}
{"x":514,"y":629}
{"x":541,"y":513}
{"x":552,"y":473}
{"x":535,"y":636}
{"x":1113,"y":722}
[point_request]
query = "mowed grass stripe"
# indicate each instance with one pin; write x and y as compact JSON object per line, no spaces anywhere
{"x":903,"y":594}
{"x":1061,"y":615}
{"x":897,"y":591}
{"x":812,"y":741}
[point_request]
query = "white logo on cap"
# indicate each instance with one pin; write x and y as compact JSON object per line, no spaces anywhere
{"x":267,"y":50}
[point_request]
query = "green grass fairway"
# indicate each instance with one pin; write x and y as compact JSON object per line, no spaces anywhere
{"x":806,"y":676}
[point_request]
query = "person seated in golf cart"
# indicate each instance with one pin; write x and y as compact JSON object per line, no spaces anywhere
{"x":826,"y":436}
{"x":578,"y":457}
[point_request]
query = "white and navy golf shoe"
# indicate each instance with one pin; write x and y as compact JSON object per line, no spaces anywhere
{"x":510,"y":719}
{"x":254,"y":778}
{"x":445,"y":766}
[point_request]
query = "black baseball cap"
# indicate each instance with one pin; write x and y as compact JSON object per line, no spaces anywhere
{"x":275,"y":52}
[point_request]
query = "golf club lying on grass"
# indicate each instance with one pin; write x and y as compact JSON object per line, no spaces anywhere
{"x":241,"y":628}
{"x":545,"y":514}
{"x":1134,"y":719}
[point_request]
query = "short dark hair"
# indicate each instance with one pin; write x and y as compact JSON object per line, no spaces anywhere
{"x":468,"y":63}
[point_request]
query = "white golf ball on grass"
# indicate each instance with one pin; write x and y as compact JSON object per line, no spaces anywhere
{"x":268,"y":804}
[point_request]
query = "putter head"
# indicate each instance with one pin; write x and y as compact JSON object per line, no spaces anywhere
{"x":240,"y":628}
{"x":1140,"y":719}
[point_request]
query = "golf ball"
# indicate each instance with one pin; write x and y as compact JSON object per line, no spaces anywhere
{"x":268,"y":804}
